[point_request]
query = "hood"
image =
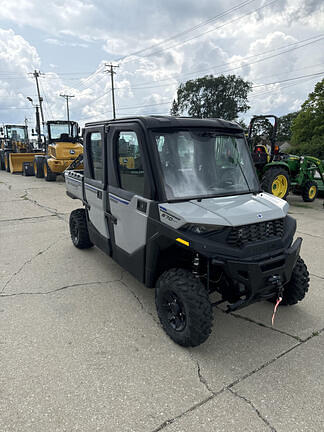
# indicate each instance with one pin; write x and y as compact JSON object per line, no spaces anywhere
{"x":226,"y":211}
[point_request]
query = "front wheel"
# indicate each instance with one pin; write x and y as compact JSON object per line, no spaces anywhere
{"x":296,"y":289}
{"x":276,"y":181}
{"x":183,"y":307}
{"x":310,"y":191}
{"x":48,"y":174}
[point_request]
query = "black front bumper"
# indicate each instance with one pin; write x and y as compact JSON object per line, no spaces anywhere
{"x":260,"y":280}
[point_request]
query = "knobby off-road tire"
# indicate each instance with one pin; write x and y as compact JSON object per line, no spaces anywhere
{"x":310,"y":191}
{"x":79,"y":229}
{"x":296,"y":289}
{"x":183,"y":307}
{"x":48,"y":174}
{"x":277,"y":182}
{"x":38,"y":167}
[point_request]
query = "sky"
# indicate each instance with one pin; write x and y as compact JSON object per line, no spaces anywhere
{"x":278,"y":45}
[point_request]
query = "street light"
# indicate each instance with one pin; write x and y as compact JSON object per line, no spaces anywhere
{"x":38,"y":130}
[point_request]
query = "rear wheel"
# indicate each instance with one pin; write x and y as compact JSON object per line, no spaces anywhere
{"x":7,"y":162}
{"x":2,"y":161}
{"x":276,"y":181}
{"x":310,"y":191}
{"x":38,"y":167}
{"x":79,"y":229}
{"x":48,"y":174}
{"x":183,"y":307}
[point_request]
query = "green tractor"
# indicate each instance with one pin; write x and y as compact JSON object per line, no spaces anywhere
{"x":279,"y":172}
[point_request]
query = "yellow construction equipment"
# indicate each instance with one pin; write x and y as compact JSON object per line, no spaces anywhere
{"x":62,"y":147}
{"x":15,"y":143}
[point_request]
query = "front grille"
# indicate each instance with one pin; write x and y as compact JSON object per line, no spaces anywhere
{"x":241,"y":235}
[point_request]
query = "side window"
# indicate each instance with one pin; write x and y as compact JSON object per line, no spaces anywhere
{"x":95,"y":151}
{"x":130,"y":163}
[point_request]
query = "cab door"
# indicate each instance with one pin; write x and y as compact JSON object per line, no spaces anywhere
{"x":95,"y":185}
{"x":129,"y":197}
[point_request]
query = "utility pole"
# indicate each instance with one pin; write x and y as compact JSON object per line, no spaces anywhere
{"x":111,"y":71}
{"x":36,"y":74}
{"x":67,"y":97}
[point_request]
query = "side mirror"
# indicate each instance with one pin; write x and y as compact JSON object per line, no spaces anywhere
{"x":33,"y":131}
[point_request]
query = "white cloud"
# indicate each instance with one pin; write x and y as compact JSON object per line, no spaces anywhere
{"x":57,"y":42}
{"x":125,"y":27}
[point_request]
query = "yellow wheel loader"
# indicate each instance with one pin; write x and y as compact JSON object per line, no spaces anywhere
{"x":62,"y":147}
{"x":15,"y":147}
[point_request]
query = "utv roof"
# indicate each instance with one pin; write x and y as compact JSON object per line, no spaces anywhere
{"x":153,"y":121}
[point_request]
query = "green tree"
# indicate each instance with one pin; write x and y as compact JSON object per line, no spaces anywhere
{"x":262,"y":130}
{"x":308,"y":127}
{"x":223,"y":96}
{"x":284,"y":126}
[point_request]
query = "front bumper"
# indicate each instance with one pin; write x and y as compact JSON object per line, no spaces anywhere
{"x":58,"y":166}
{"x":256,"y":278}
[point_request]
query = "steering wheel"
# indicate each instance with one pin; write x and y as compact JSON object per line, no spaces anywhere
{"x":226,"y":178}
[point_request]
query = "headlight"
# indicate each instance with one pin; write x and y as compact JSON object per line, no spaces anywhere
{"x":201,"y":229}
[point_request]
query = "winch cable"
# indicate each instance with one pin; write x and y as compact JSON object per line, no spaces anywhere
{"x":275,"y":309}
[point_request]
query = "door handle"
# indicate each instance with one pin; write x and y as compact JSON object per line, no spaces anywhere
{"x":99,"y":194}
{"x":111,"y":217}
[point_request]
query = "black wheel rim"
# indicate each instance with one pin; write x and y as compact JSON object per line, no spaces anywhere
{"x":174,"y":311}
{"x":74,"y":232}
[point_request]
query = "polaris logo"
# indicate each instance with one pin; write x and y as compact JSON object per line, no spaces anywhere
{"x":72,"y":152}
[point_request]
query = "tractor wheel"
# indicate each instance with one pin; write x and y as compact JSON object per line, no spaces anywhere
{"x":310,"y":191}
{"x":7,"y":162}
{"x":79,"y":229}
{"x":296,"y":289}
{"x":48,"y":174}
{"x":183,"y":307}
{"x":276,"y":181}
{"x":2,"y":161}
{"x":38,"y":167}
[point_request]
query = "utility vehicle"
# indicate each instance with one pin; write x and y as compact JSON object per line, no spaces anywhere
{"x":186,"y":216}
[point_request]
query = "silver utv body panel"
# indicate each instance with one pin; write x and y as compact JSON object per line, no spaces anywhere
{"x":233,"y":210}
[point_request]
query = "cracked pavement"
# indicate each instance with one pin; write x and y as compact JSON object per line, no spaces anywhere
{"x":81,"y":347}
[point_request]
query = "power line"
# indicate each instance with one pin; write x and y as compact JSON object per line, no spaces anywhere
{"x":308,"y":40}
{"x":47,"y":103}
{"x":201,"y":24}
{"x":206,"y":32}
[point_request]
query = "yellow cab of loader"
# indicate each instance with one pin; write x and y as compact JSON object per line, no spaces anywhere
{"x":62,"y":147}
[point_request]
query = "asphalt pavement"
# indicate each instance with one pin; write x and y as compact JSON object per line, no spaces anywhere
{"x":81,"y":347}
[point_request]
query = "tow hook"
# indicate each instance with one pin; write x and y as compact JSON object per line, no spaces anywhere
{"x":276,"y":281}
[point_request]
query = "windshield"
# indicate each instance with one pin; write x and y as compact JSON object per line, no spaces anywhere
{"x":17,"y":133}
{"x":57,"y":129}
{"x":201,"y":163}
